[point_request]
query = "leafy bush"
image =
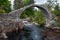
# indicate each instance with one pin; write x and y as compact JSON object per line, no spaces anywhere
{"x":2,"y":11}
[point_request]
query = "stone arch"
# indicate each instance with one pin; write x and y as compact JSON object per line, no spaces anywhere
{"x":43,"y":9}
{"x":47,"y":13}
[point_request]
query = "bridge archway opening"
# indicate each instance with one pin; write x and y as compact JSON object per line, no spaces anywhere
{"x":36,"y":16}
{"x":43,"y":9}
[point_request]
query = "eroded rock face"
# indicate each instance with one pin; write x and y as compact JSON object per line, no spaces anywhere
{"x":52,"y":34}
{"x":9,"y":24}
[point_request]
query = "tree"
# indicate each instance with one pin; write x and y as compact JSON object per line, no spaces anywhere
{"x":53,"y":4}
{"x":57,"y":13}
{"x":38,"y":17}
{"x":56,"y":10}
{"x":5,"y":6}
{"x":29,"y":12}
{"x":21,"y":3}
{"x":18,"y":4}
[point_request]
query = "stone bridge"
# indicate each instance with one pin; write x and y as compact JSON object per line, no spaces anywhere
{"x":11,"y":21}
{"x":16,"y":14}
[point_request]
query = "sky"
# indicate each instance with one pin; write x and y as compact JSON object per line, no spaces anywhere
{"x":40,"y":1}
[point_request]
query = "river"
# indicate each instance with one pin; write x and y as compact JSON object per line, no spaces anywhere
{"x":32,"y":32}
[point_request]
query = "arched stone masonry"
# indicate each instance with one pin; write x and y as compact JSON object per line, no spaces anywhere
{"x":7,"y":26}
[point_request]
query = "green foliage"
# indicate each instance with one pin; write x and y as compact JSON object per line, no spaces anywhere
{"x":38,"y":17}
{"x":5,"y":6}
{"x":18,"y":4}
{"x":56,"y":10}
{"x":57,"y":13}
{"x":27,"y":13}
{"x":52,"y":3}
{"x":21,"y":3}
{"x":58,"y":24}
{"x":2,"y":11}
{"x":27,"y":2}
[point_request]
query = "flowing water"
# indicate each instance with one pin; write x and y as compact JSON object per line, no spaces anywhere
{"x":32,"y":32}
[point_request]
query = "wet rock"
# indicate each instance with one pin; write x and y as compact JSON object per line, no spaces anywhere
{"x":52,"y":34}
